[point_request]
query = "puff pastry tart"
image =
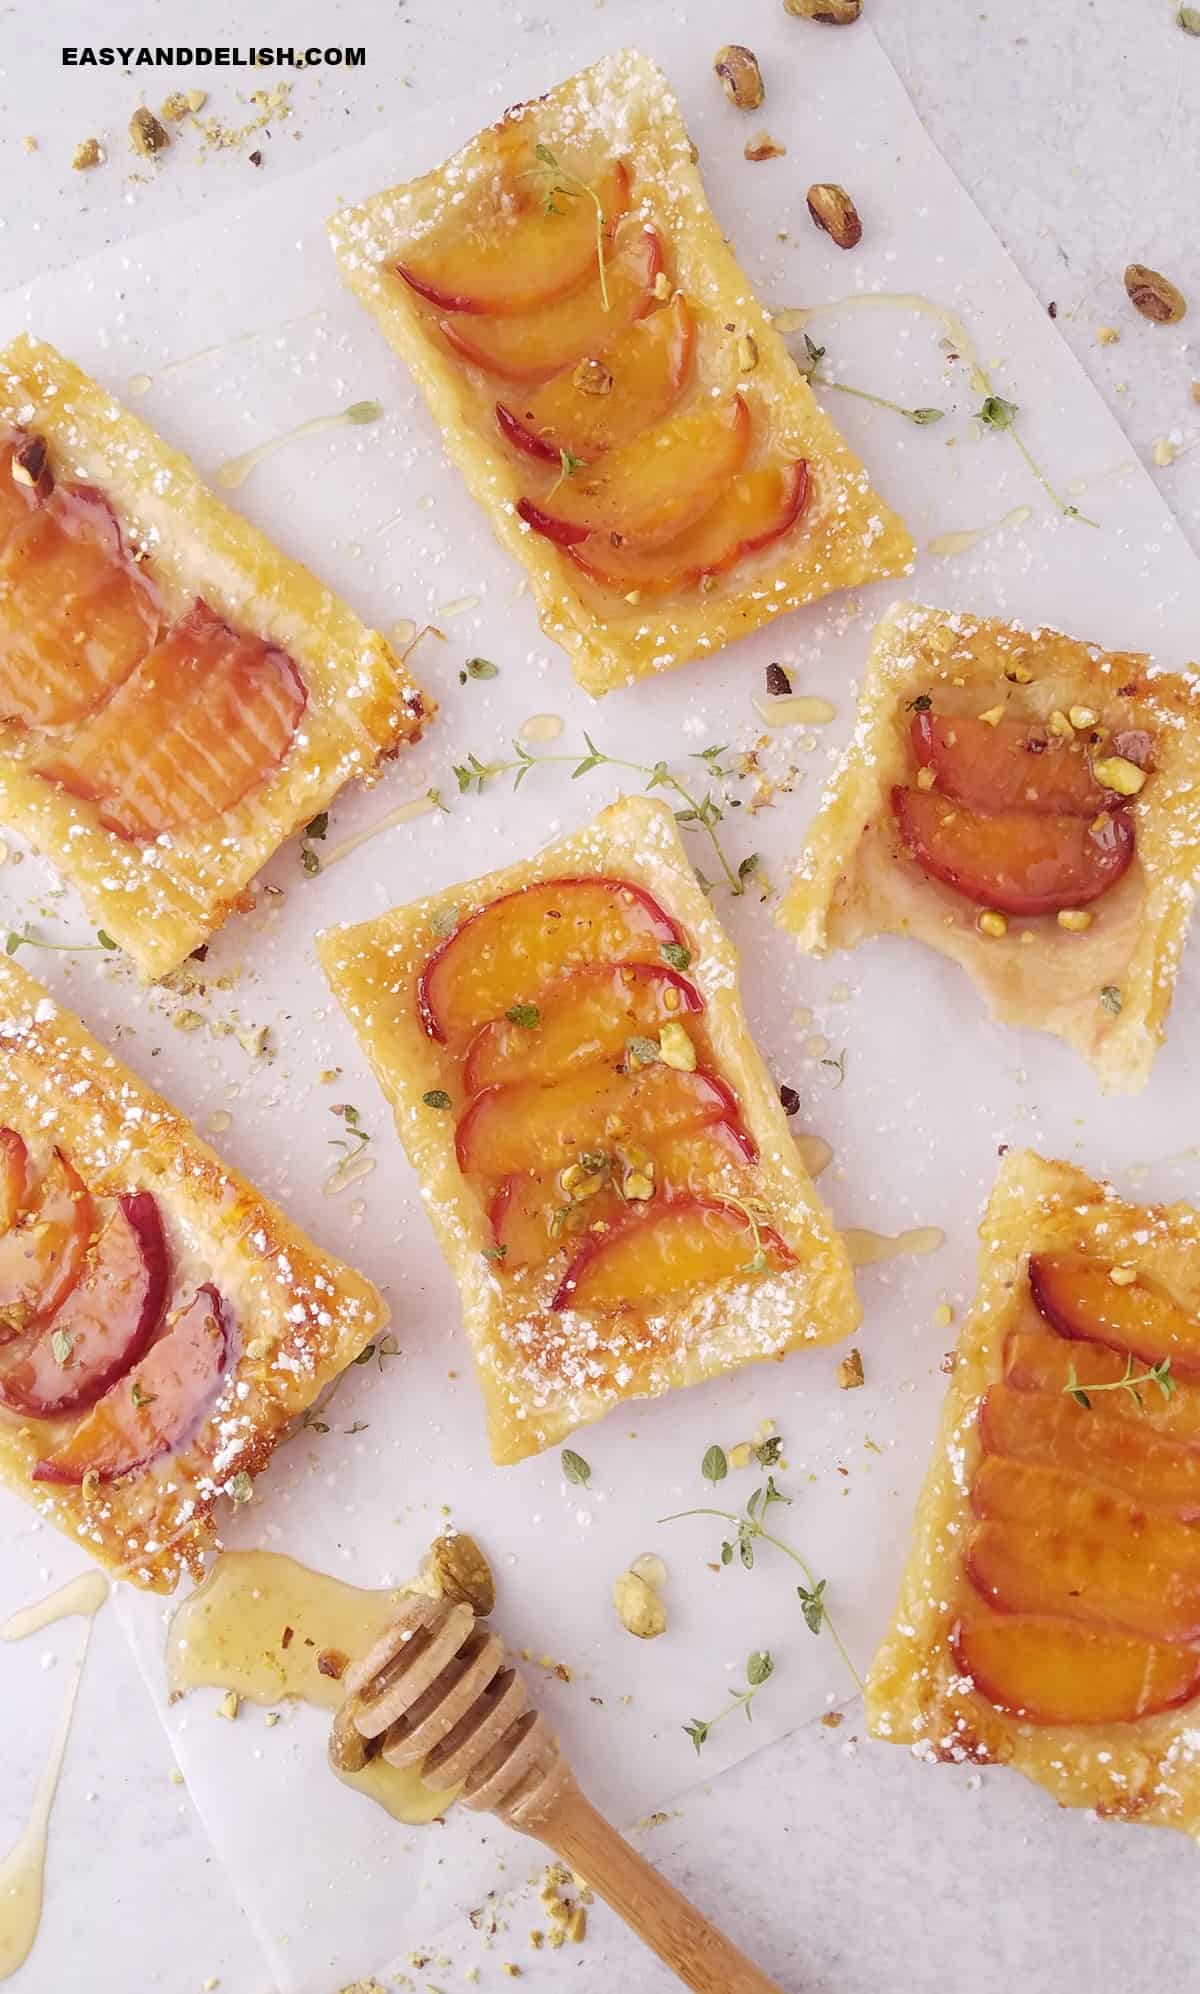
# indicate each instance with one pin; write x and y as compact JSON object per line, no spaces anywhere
{"x":161,"y":1324}
{"x":1029,"y":806}
{"x":176,"y":697}
{"x":609,"y":386}
{"x":1049,"y":1617}
{"x":603,"y":1154}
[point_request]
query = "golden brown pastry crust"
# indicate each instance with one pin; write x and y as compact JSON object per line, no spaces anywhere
{"x":916,"y":1694}
{"x":158,"y":901}
{"x":847,"y":536}
{"x":297,"y":1315}
{"x":853,"y":884}
{"x":541,"y":1380}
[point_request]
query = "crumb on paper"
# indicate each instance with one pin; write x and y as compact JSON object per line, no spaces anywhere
{"x":850,"y":1371}
{"x":1165,"y":452}
{"x":175,"y":107}
{"x":87,"y":155}
{"x":30,"y":143}
{"x":146,"y":135}
{"x":229,"y":1705}
{"x":831,"y":1719}
{"x":1107,"y":335}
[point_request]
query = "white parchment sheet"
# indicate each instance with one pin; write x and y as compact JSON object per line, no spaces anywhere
{"x":930,"y":1089}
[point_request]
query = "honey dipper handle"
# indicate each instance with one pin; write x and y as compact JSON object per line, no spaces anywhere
{"x":703,"y":1957}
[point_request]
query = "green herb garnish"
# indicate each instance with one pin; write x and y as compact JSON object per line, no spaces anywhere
{"x":715,"y":1465}
{"x":641,"y":1052}
{"x":561,"y":185}
{"x":575,"y":1468}
{"x":759,"y":1669}
{"x":61,"y":1345}
{"x":676,"y":955}
{"x":526,"y":1016}
{"x":360,"y":412}
{"x":1156,"y":1374}
{"x":437,"y":1097}
{"x":479,"y":668}
{"x":1111,"y":999}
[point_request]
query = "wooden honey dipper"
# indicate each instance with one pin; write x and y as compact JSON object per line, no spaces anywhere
{"x":435,"y":1693}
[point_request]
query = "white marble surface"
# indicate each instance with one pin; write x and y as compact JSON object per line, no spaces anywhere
{"x":1075,"y":129}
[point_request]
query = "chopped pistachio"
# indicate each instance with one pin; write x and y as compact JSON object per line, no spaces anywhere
{"x":740,"y":76}
{"x":229,"y":1705}
{"x":1154,"y":295}
{"x":993,"y":716}
{"x":87,"y":155}
{"x":1123,"y":1276}
{"x":1074,"y":919}
{"x":763,"y":146}
{"x":1115,"y":772}
{"x":832,"y":210}
{"x":639,"y":1608}
{"x":1082,"y":717}
{"x":747,"y":353}
{"x":676,"y":1048}
{"x":850,"y":1371}
{"x":993,"y":924}
{"x":831,"y":13}
{"x":146,"y":135}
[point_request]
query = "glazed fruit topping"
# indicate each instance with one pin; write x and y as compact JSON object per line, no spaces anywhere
{"x":1053,"y":1671}
{"x":44,"y":1247}
{"x":1016,"y":861}
{"x":536,"y":347}
{"x":1079,"y":1298}
{"x":652,"y":489}
{"x":756,"y":508}
{"x":589,"y":1014}
{"x":666,"y":1249}
{"x":608,"y":394}
{"x":1008,"y":765}
{"x":530,"y":1125}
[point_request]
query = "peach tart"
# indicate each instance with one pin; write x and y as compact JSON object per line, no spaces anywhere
{"x":1029,"y":806}
{"x":600,"y":1148}
{"x":176,"y":697}
{"x":609,"y":386}
{"x":1049,"y":1617}
{"x":161,"y":1324}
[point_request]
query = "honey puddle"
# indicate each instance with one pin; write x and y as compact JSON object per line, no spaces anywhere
{"x":815,"y":1153}
{"x":542,"y":727}
{"x":970,"y":536}
{"x":795,"y":709}
{"x":796,"y":318}
{"x":22,"y":1870}
{"x":260,"y":1624}
{"x":404,"y":813}
{"x":867,"y":1248}
{"x":235,"y":470}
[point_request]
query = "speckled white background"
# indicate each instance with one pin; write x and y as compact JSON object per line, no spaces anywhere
{"x":1075,"y":128}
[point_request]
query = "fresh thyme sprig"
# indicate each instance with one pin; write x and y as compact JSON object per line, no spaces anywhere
{"x":24,"y":938}
{"x":996,"y":413}
{"x":311,"y":1419}
{"x":1156,"y":1374}
{"x":749,"y":1528}
{"x":568,"y":464}
{"x":814,"y":354}
{"x":759,"y":1669}
{"x":701,"y":813}
{"x":355,"y":1141}
{"x":559,"y":184}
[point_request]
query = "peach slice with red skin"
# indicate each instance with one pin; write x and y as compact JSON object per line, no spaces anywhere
{"x":665,"y":1248}
{"x":1015,"y":861}
{"x":102,"y":1327}
{"x":588,"y":1015}
{"x":14,"y":1177}
{"x":511,"y":255}
{"x":529,"y":1126}
{"x":204,"y":719}
{"x":1022,"y":1570}
{"x":654,"y":488}
{"x":541,"y":345}
{"x":634,"y":385}
{"x":1078,"y":1298}
{"x":755,"y":509}
{"x":502,"y":955}
{"x":1044,"y":1362}
{"x":76,"y":614}
{"x":1148,"y":1467}
{"x":1053,"y":1671}
{"x":43,"y":1255}
{"x":155,"y":1408}
{"x":1014,"y":765}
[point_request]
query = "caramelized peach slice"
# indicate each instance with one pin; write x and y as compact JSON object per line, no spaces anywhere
{"x":586,"y":1016}
{"x":1144,"y":1465}
{"x":556,"y":337}
{"x":204,"y":719}
{"x":756,"y":508}
{"x":1089,"y":1578}
{"x":1018,"y":861}
{"x":655,"y":487}
{"x":1056,"y":1672}
{"x":515,"y":252}
{"x":42,"y":1256}
{"x":600,"y":404}
{"x":102,"y":1327}
{"x":666,"y":1248}
{"x":157,"y":1407}
{"x":14,"y":1177}
{"x":76,"y":615}
{"x":1047,"y":1499}
{"x":514,"y":946}
{"x":1044,"y":1362}
{"x":1078,"y":1297}
{"x":528,"y":1126}
{"x":1015,"y":765}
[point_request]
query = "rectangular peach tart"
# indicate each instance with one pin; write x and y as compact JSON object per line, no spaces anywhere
{"x":1049,"y":1617}
{"x":1029,"y":806}
{"x":161,"y":1324}
{"x":608,"y":384}
{"x":601,"y":1149}
{"x":176,"y":697}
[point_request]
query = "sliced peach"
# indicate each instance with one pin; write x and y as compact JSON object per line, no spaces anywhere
{"x":665,"y":1248}
{"x":600,"y":404}
{"x":1056,"y":1432}
{"x":521,"y":247}
{"x":43,"y":1255}
{"x":1017,"y":861}
{"x":653,"y":488}
{"x":76,"y":614}
{"x":1055,"y":1672}
{"x":155,"y":1408}
{"x":503,"y":955}
{"x":553,"y":339}
{"x":588,"y":1015}
{"x":528,"y":1126}
{"x":1020,"y":1570}
{"x":1047,"y":1499}
{"x":756,"y":508}
{"x":102,"y":1327}
{"x":1014,"y":765}
{"x":206,"y":717}
{"x":1077,"y":1296}
{"x":14,"y":1177}
{"x":1044,"y":1362}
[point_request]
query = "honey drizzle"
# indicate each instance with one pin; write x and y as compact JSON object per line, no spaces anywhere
{"x":235,"y":470}
{"x":962,"y":542}
{"x":867,"y":1249}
